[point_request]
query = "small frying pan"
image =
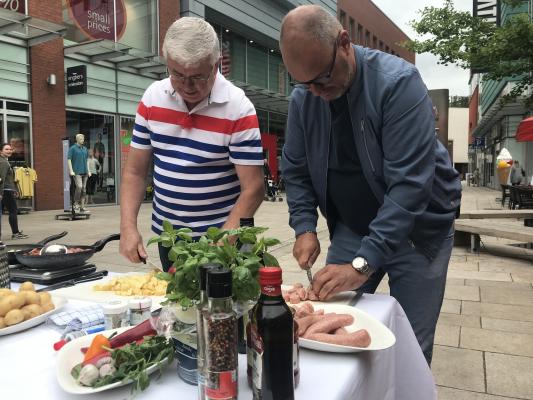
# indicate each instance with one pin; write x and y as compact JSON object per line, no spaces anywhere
{"x":12,"y":248}
{"x":52,"y":262}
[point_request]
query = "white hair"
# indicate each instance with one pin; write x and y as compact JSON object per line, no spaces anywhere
{"x":191,"y":40}
{"x":80,"y":136}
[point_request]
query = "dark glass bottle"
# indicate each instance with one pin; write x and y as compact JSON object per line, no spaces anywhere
{"x":242,"y":321}
{"x":272,"y":336}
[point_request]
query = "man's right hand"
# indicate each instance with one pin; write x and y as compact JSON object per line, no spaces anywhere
{"x":131,"y":245}
{"x":306,"y":249}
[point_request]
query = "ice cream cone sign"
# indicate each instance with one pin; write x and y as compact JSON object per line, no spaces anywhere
{"x":503,"y":166}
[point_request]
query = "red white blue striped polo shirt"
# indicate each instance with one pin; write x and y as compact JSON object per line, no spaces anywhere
{"x":195,"y":183}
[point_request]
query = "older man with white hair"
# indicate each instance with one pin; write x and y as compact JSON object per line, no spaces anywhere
{"x":203,"y":134}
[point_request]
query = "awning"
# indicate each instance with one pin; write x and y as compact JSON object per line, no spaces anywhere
{"x":32,"y":30}
{"x":524,"y":133}
{"x":265,"y":99}
{"x":121,"y":55}
{"x":496,"y":112}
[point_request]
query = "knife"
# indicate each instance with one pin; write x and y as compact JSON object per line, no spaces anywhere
{"x":309,"y":275}
{"x":71,"y":282}
{"x":355,"y":299}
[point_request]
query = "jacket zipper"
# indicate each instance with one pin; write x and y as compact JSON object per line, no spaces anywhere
{"x":366,"y":146}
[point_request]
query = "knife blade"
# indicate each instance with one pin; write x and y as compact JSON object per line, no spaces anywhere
{"x":309,"y":275}
{"x":71,"y":282}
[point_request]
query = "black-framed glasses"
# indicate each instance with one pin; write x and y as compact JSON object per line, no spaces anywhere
{"x":322,"y":79}
{"x":197,"y":80}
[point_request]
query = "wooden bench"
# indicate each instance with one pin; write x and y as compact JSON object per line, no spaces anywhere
{"x":468,"y":231}
{"x":526,"y":215}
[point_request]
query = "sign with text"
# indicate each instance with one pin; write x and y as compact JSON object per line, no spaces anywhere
{"x":14,"y":5}
{"x":77,"y":79}
{"x":489,"y":10}
{"x":99,"y":19}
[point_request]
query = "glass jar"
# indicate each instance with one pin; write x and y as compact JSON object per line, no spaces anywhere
{"x":115,"y":314}
{"x":139,"y":309}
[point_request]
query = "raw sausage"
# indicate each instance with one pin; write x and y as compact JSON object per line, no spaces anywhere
{"x":305,"y":322}
{"x":330,"y":322}
{"x":359,"y":338}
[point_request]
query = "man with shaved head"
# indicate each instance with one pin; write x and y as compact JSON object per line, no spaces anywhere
{"x":361,"y":146}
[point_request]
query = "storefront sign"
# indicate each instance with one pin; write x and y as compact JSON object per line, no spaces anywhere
{"x":14,"y":5}
{"x":77,"y":79}
{"x":99,"y":19}
{"x":489,"y":10}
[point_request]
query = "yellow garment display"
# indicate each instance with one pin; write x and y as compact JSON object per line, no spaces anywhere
{"x":25,"y":178}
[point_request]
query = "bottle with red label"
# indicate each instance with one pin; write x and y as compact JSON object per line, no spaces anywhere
{"x":272,"y":341}
{"x":220,"y":335}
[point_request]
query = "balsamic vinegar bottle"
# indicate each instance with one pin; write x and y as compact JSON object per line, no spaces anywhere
{"x":242,"y":321}
{"x":272,"y":336}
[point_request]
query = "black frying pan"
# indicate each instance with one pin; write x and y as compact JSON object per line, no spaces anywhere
{"x":25,"y":247}
{"x":60,"y":261}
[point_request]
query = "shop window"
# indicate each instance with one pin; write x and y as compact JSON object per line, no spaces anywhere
{"x":342,"y":18}
{"x":352,"y":30}
{"x":131,"y":22}
{"x":257,"y":68}
{"x":99,"y":132}
{"x":360,"y":35}
{"x":11,"y":105}
{"x":233,"y":51}
{"x":18,"y":136}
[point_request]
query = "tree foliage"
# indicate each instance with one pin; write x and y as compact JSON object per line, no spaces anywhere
{"x":498,"y":51}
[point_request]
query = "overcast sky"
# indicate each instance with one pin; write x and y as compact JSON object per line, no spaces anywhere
{"x":435,"y":76}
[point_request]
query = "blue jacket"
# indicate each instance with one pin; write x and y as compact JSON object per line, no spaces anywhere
{"x":406,"y":166}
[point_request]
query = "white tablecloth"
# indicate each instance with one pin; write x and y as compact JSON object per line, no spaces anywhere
{"x":27,"y":367}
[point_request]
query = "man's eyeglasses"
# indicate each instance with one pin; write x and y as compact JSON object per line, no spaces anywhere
{"x":322,"y":79}
{"x":197,"y":80}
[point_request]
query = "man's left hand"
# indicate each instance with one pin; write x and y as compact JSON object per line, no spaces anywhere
{"x":336,"y":278}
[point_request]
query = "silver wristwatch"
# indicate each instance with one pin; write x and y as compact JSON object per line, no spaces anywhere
{"x":361,"y":266}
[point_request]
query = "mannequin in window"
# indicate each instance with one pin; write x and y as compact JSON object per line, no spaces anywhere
{"x":99,"y":154}
{"x":79,"y":169}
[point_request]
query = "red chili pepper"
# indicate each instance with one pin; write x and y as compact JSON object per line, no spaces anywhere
{"x":172,"y":270}
{"x":133,"y":334}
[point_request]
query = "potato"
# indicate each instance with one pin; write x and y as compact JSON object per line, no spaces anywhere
{"x":5,"y":291}
{"x":8,"y":303}
{"x":2,"y":323}
{"x":48,"y":307}
{"x":45,"y":297}
{"x":33,"y":309}
{"x":26,"y":286}
{"x":32,"y":297}
{"x":21,"y":299}
{"x":27,"y":314}
{"x":14,"y":317}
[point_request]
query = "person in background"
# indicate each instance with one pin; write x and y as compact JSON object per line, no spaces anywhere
{"x":204,"y":136}
{"x":94,"y":167}
{"x":9,"y":191}
{"x":517,"y":174}
{"x":360,"y":145}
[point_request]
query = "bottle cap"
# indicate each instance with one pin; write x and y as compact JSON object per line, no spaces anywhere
{"x":58,"y":345}
{"x":203,"y":273}
{"x":247,"y":221}
{"x":219,"y":283}
{"x":139,"y":303}
{"x":270,"y":276}
{"x":115,"y":307}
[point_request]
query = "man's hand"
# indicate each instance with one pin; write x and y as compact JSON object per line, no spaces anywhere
{"x":306,"y":249}
{"x":335,"y":278}
{"x":131,"y":245}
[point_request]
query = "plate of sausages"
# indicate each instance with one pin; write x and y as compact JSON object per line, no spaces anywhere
{"x":340,"y":328}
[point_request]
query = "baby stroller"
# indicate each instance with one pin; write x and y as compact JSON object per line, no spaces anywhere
{"x":272,"y":190}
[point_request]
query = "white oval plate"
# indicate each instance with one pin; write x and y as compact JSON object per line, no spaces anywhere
{"x":381,"y":337}
{"x":70,"y":355}
{"x":59,"y":303}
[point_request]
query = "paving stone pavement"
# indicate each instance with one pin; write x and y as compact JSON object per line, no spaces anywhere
{"x":484,"y":340}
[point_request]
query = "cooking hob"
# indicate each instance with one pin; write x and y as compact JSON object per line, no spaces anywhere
{"x":21,"y":273}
